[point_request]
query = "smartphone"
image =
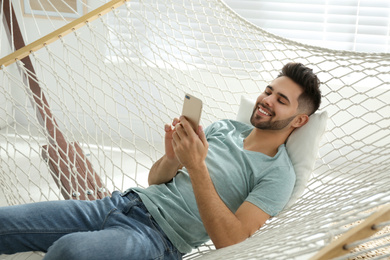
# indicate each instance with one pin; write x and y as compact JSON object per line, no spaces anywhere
{"x":192,"y":110}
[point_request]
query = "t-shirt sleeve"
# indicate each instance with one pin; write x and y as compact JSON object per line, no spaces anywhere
{"x":212,"y":128}
{"x":274,"y":191}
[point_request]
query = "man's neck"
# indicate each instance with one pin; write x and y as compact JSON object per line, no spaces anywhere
{"x":264,"y":141}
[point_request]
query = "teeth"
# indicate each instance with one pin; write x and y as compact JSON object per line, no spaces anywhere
{"x":262,"y":111}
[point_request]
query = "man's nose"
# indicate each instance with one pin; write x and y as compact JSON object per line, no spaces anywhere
{"x":269,"y":100}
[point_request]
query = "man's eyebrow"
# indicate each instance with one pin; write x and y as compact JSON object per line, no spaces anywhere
{"x":280,"y":94}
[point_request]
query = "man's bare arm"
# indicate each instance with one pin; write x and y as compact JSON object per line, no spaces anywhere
{"x":224,"y":227}
{"x":166,"y":168}
{"x":163,"y":170}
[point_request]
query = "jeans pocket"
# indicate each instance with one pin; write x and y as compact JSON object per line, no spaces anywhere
{"x":123,"y":194}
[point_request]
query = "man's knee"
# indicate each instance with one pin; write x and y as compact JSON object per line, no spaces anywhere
{"x":84,"y":246}
{"x":68,"y":247}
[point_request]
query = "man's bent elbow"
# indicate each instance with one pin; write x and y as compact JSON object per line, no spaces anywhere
{"x":229,"y":242}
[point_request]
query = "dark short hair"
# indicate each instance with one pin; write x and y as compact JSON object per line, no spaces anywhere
{"x":310,"y":99}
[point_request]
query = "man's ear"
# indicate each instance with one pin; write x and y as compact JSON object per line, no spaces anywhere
{"x":300,"y":120}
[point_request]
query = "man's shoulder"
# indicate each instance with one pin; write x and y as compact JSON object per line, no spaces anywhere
{"x":283,"y":158}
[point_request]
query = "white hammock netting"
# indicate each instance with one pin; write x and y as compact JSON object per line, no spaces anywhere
{"x":112,"y":84}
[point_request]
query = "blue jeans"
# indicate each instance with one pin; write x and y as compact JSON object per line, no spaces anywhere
{"x":116,"y":227}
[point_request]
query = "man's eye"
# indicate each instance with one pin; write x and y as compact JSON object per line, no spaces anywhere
{"x":267,"y":93}
{"x":281,"y":101}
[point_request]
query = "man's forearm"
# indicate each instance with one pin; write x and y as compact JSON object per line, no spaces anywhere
{"x":222,"y":226}
{"x":163,"y":171}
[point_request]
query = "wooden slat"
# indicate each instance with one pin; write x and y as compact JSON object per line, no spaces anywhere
{"x":363,"y":230}
{"x":61,"y":32}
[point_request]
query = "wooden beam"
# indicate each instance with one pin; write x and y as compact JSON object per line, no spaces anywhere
{"x":364,"y":230}
{"x":61,"y":32}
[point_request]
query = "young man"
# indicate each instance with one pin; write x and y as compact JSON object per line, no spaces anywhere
{"x":221,"y":184}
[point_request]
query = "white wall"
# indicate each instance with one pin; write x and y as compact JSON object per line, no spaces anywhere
{"x":12,"y":93}
{"x":6,"y":107}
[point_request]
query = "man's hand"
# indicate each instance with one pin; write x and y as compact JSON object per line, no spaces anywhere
{"x":167,"y":166}
{"x":190,"y":147}
{"x":169,"y":152}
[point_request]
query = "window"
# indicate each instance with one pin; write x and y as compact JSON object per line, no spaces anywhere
{"x":354,"y":25}
{"x":64,"y":8}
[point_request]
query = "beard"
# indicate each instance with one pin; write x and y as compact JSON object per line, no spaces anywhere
{"x":269,"y":125}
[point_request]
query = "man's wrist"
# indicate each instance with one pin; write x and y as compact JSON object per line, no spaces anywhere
{"x":197,"y":168}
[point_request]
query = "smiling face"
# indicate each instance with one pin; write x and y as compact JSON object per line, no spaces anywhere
{"x":277,"y":107}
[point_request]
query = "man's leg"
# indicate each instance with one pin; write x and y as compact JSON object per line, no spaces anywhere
{"x":118,"y":226}
{"x":114,"y":243}
{"x":129,"y":232}
{"x":34,"y":227}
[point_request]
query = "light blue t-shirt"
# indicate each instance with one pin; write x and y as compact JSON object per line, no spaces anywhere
{"x":238,"y":175}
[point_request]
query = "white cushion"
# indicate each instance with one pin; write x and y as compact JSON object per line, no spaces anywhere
{"x":302,"y":145}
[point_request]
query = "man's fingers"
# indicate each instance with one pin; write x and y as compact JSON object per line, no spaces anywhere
{"x":167,"y":127}
{"x":175,"y":121}
{"x":201,"y":134}
{"x":180,"y":130}
{"x":186,"y":125}
{"x":175,"y":136}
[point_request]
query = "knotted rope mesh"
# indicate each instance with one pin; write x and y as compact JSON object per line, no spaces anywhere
{"x":111,"y":85}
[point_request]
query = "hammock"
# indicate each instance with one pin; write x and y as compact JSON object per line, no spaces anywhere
{"x":83,"y":104}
